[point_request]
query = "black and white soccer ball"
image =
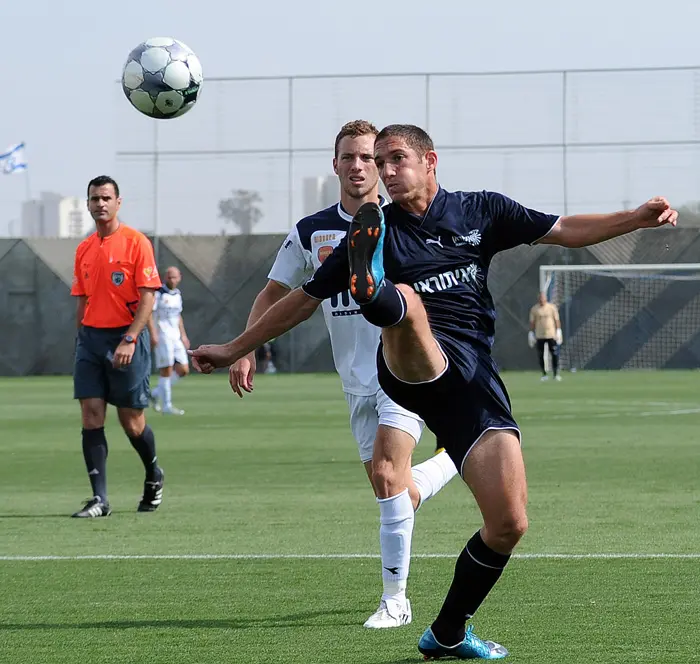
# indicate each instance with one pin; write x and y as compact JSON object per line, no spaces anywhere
{"x":162,"y":78}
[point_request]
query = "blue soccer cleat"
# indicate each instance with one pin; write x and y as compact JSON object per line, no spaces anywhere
{"x":471,"y":648}
{"x":366,"y":253}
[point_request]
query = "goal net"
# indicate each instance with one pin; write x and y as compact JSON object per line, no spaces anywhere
{"x":626,"y":316}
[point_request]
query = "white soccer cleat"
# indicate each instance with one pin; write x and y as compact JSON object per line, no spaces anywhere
{"x":544,"y":378}
{"x":557,"y":377}
{"x":171,"y":410}
{"x":390,"y":613}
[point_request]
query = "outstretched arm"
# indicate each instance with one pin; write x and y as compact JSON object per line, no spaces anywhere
{"x":583,"y":230}
{"x":331,"y":278}
{"x":242,"y":372}
{"x":278,"y":319}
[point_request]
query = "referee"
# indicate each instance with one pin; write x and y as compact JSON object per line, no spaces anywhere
{"x":115,"y":278}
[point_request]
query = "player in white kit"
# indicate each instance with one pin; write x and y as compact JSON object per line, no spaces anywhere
{"x":169,"y":341}
{"x":385,"y":432}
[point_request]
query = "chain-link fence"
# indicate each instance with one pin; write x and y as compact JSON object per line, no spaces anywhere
{"x":559,"y":141}
{"x":222,"y":276}
{"x":562,"y":141}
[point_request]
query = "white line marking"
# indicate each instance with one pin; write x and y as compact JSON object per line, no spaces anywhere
{"x":627,"y":403}
{"x":584,"y":415}
{"x":349,"y":556}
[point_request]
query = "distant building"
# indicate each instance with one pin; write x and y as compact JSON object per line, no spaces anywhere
{"x":53,"y":215}
{"x":330,"y":191}
{"x":320,"y":192}
{"x":311,"y":195}
{"x":323,"y":191}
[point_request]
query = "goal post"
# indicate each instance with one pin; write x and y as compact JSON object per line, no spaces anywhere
{"x":629,"y":316}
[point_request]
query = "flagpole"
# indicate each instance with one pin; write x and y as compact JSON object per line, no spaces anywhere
{"x":11,"y":163}
{"x":27,"y":185}
{"x":156,"y":241}
{"x":14,"y":159}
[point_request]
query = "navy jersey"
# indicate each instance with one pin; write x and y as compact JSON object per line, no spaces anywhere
{"x":445,"y":257}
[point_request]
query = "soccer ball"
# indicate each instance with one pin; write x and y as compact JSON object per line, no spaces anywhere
{"x":162,"y":78}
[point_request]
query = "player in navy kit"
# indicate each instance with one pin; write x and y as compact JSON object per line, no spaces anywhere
{"x":419,"y":271}
{"x":386,"y":433}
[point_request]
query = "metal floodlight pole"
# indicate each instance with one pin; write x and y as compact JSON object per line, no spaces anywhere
{"x":156,"y":229}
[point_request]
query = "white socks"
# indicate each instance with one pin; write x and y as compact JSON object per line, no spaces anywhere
{"x":396,"y":519}
{"x":431,"y":475}
{"x":165,"y":391}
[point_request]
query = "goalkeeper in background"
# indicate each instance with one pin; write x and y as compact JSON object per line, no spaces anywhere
{"x":545,"y":330}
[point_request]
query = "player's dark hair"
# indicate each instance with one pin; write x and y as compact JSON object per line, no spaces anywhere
{"x":354,"y":129}
{"x":416,"y":138}
{"x":102,"y":180}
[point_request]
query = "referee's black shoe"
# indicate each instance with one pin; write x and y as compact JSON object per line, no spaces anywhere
{"x":152,"y":493}
{"x":93,"y":508}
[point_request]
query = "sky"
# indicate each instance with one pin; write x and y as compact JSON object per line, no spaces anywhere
{"x":62,"y":58}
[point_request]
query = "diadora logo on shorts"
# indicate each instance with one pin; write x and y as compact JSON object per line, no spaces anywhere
{"x":471,"y":274}
{"x":472,"y":238}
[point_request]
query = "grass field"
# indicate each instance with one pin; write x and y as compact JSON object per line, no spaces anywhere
{"x":250,"y":559}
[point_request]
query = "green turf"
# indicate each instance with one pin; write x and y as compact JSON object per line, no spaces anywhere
{"x":613,"y":466}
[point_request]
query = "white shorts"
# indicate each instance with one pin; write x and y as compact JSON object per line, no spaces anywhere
{"x":170,"y":351}
{"x":368,"y":412}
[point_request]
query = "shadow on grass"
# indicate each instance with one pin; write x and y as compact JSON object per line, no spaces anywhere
{"x":36,"y":515}
{"x":306,"y":619}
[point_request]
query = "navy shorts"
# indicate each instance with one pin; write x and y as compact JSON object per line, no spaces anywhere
{"x":459,"y":406}
{"x":94,"y":377}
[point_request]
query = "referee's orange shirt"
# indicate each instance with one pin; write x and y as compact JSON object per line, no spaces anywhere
{"x":109,"y":271}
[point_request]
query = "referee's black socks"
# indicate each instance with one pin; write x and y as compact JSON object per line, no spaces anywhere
{"x":145,"y":445}
{"x":95,"y":455}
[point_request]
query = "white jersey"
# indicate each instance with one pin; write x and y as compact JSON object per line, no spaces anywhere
{"x":354,"y":341}
{"x":167,"y":310}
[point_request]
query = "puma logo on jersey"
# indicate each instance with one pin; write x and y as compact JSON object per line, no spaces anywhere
{"x":472,"y":238}
{"x":445,"y":280}
{"x":438,"y":242}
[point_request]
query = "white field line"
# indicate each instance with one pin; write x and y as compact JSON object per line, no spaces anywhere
{"x":627,"y":402}
{"x":632,"y":413}
{"x":347,"y":556}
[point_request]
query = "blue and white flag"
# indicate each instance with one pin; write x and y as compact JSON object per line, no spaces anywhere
{"x":13,"y":160}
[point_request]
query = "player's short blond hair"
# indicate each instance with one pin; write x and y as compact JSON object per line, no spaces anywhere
{"x":355,"y":129}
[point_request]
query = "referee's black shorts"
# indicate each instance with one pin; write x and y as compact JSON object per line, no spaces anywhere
{"x":95,"y":377}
